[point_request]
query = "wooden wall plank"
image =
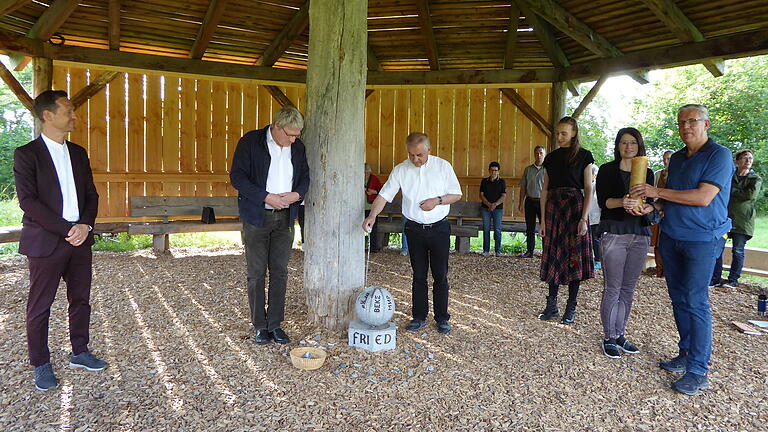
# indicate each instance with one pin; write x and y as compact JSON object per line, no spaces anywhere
{"x":117,"y":150}
{"x":508,"y":155}
{"x":476,"y":132}
{"x":250,"y":106}
{"x":154,"y":131}
{"x":188,"y":134}
{"x":135,"y":132}
{"x":492,"y":129}
{"x":416,"y":110}
{"x":402,"y":104}
{"x":386,"y":131}
{"x":219,"y":135}
{"x":234,"y":124}
{"x":79,"y":136}
{"x":97,"y":140}
{"x":265,"y":107}
{"x":445,"y":124}
{"x":59,"y":79}
{"x":203,"y":134}
{"x":461,"y":132}
{"x":431,"y":119}
{"x":171,"y":143}
{"x":372,"y":118}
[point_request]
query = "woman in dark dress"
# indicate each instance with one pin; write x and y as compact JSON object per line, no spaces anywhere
{"x":624,"y":242}
{"x":567,"y":248}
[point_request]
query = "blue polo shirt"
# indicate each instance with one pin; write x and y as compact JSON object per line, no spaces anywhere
{"x":711,"y":164}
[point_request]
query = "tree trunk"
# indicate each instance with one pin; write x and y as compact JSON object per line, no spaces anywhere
{"x":334,"y":134}
{"x":558,"y":109}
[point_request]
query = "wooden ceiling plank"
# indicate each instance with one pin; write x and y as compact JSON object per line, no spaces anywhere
{"x":279,"y":96}
{"x":528,"y":111}
{"x":297,"y":24}
{"x":93,"y":88}
{"x":8,"y":6}
{"x":579,"y":31}
{"x":373,"y":61}
{"x":511,"y":48}
{"x":589,"y":96}
{"x":430,"y":43}
{"x":16,"y":87}
{"x":46,"y":26}
{"x":114,"y":24}
{"x":683,"y":28}
{"x":207,"y":28}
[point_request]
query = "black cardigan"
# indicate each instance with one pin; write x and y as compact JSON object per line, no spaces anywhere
{"x":610,"y":185}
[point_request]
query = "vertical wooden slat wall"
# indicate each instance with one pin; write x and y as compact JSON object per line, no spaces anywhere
{"x":149,"y":134}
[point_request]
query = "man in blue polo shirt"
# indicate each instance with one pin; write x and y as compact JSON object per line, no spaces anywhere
{"x":695,"y":201}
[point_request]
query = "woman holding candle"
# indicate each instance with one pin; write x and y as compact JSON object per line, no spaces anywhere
{"x":626,"y":236}
{"x":567,"y":250}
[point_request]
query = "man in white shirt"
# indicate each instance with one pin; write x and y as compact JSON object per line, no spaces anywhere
{"x":54,"y":185}
{"x":271,"y":175}
{"x":429,"y":187}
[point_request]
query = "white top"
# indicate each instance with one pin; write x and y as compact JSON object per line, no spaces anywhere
{"x":594,"y":208}
{"x":63,"y":164}
{"x":434,"y":178}
{"x":280,"y":175}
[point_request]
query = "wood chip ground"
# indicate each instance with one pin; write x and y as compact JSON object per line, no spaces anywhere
{"x":176,"y":332}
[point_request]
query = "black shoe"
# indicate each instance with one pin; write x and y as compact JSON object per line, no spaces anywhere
{"x":626,"y":346}
{"x":444,"y":327}
{"x":691,"y":383}
{"x":415,"y":325}
{"x":44,"y":377}
{"x":262,"y":337}
{"x":527,"y":255}
{"x":677,"y":364}
{"x":569,"y":316}
{"x":551,"y":310}
{"x":279,"y":336}
{"x":610,"y":349}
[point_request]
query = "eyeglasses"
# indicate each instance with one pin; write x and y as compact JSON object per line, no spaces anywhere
{"x":626,"y":143}
{"x":494,"y":169}
{"x":690,"y":122}
{"x":289,"y":135}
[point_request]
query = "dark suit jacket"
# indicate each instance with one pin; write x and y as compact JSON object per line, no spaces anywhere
{"x":250,"y":167}
{"x":39,"y":194}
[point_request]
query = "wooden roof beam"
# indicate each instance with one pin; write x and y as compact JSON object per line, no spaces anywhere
{"x":579,"y":31}
{"x":46,"y":26}
{"x":589,"y":96}
{"x":113,"y":28}
{"x":682,"y":27}
{"x":279,"y":96}
{"x":514,"y":24}
{"x":16,"y":87}
{"x":425,"y":19}
{"x":373,"y":61}
{"x":528,"y":111}
{"x":544,"y":33}
{"x":93,"y":88}
{"x":207,"y":28}
{"x":297,"y":24}
{"x":8,"y":6}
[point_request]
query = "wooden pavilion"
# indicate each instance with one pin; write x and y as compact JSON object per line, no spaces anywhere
{"x":166,"y":88}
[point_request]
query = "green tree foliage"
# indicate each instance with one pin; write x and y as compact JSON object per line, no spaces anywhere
{"x":736,"y":103}
{"x":15,"y":130}
{"x":595,"y":132}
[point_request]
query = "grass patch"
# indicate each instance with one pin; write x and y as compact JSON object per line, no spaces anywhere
{"x":10,"y":213}
{"x":760,"y":237}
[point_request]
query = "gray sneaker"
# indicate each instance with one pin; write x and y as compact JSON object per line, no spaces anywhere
{"x":677,"y":364}
{"x":44,"y":377}
{"x":86,"y":360}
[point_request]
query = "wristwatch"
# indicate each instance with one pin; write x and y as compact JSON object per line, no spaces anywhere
{"x":440,"y":200}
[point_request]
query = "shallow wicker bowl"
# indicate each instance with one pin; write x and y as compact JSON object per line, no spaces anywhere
{"x":317,"y":360}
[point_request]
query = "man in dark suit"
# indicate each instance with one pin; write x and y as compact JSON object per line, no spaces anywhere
{"x":271,"y":175}
{"x":54,"y":185}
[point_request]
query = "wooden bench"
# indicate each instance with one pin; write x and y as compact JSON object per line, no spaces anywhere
{"x":225,"y":209}
{"x":465,"y":218}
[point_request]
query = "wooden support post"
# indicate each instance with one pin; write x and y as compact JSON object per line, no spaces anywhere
{"x":334,"y":265}
{"x":42,"y":80}
{"x":558,"y":109}
{"x":160,"y":243}
{"x":589,"y":96}
{"x":94,"y":87}
{"x":279,"y":96}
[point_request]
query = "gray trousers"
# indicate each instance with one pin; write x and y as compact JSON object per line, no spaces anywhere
{"x":268,"y":247}
{"x":623,"y":259}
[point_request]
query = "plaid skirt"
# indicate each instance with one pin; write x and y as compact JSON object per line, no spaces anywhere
{"x":566,"y":255}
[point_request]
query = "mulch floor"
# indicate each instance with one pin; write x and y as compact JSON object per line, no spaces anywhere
{"x":176,"y":333}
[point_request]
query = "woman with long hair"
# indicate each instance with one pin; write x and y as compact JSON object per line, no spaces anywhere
{"x":624,"y":242}
{"x":567,"y":247}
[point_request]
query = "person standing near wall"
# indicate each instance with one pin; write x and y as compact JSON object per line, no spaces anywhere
{"x":529,"y":202}
{"x":493,"y":192}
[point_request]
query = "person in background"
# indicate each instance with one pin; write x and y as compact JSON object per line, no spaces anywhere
{"x":493,"y":192}
{"x":659,"y":180}
{"x":594,"y":220}
{"x":745,"y":189}
{"x":531,"y":183}
{"x":695,"y":202}
{"x":625,"y":240}
{"x":371,"y":188}
{"x":567,"y":250}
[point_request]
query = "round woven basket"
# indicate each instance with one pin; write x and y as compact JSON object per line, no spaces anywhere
{"x":299,"y":361}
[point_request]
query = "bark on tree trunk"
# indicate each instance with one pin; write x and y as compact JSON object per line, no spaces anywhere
{"x":334,"y":134}
{"x":558,"y":109}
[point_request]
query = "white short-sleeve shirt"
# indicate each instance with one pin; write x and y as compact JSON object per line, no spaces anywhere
{"x":434,"y":178}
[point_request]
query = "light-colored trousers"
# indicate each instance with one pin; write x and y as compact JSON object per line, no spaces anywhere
{"x":623,"y":259}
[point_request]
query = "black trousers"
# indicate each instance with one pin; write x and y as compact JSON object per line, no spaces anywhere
{"x":268,"y":247}
{"x":532,"y":211}
{"x":428,"y":248}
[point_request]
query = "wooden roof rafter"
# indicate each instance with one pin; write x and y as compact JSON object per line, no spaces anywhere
{"x":430,"y":44}
{"x":511,"y":44}
{"x":297,"y":24}
{"x":207,"y":28}
{"x":682,"y":27}
{"x":8,"y":6}
{"x":113,"y":31}
{"x":46,"y":26}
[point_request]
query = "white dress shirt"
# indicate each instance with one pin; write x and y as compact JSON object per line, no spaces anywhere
{"x":280,"y":175}
{"x":434,"y":178}
{"x":63,"y":164}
